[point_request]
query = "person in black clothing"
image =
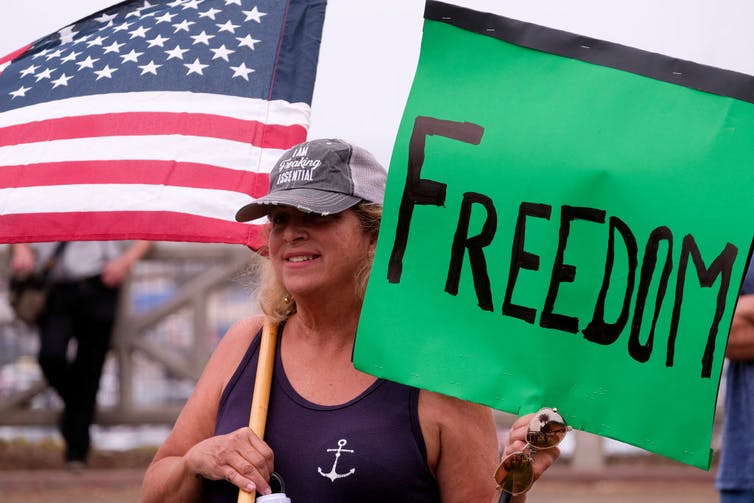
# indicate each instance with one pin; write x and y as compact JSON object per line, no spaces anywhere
{"x":81,"y":306}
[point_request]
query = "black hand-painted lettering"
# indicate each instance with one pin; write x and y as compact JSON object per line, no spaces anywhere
{"x":565,"y":273}
{"x":598,"y":330}
{"x":422,"y":191}
{"x":638,"y":351}
{"x":722,"y":266}
{"x":521,"y":259}
{"x":474,"y":245}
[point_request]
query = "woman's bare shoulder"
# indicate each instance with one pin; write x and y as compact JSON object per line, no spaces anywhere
{"x":444,"y":408}
{"x":241,"y":332}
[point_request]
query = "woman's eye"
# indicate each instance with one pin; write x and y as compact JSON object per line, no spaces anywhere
{"x":278,"y":218}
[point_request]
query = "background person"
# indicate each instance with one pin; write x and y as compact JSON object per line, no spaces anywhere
{"x":735,"y":473}
{"x":333,"y":433}
{"x":82,"y":306}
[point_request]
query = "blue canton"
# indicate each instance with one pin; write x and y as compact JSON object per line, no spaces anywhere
{"x":206,"y":46}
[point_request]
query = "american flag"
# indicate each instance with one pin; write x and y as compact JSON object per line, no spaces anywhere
{"x":154,"y":119}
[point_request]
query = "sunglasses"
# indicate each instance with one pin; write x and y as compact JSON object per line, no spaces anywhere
{"x":515,"y":474}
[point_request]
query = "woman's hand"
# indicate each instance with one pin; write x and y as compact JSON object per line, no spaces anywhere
{"x":239,"y":457}
{"x":543,"y":458}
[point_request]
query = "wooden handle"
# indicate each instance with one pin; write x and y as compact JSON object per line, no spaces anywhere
{"x":262,"y":383}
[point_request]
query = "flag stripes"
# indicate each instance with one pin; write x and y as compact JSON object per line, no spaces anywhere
{"x":154,"y":120}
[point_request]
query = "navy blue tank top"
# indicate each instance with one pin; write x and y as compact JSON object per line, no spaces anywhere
{"x":369,"y":449}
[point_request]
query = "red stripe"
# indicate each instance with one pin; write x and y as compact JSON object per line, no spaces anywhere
{"x":13,"y":55}
{"x":150,"y":225}
{"x":155,"y":123}
{"x":178,"y":174}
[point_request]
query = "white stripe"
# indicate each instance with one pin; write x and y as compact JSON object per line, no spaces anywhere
{"x":198,"y":149}
{"x":221,"y":204}
{"x":270,"y":112}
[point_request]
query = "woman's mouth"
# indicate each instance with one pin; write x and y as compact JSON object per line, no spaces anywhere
{"x":301,"y":258}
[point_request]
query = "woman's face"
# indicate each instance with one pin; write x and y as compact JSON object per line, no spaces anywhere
{"x":312,"y":253}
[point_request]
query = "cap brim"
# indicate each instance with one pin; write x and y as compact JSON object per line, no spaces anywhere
{"x":306,"y":200}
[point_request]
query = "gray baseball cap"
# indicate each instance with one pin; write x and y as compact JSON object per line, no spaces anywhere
{"x":321,"y":176}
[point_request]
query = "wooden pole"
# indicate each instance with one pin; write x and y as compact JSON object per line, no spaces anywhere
{"x":261,"y":398}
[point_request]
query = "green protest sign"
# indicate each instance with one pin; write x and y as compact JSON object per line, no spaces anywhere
{"x":565,"y":225}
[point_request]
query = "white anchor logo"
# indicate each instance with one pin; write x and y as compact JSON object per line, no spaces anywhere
{"x":333,"y":475}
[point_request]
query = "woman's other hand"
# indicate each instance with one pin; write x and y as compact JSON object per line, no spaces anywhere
{"x":239,"y":457}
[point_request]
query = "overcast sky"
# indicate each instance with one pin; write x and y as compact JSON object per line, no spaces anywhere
{"x":370,"y":47}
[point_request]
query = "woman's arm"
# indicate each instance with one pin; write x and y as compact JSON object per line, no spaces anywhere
{"x":462,"y":447}
{"x":192,"y":452}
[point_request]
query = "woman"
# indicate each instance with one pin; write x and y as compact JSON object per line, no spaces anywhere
{"x":333,"y":433}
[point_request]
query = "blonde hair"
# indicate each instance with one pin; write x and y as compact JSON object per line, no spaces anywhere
{"x":278,"y":304}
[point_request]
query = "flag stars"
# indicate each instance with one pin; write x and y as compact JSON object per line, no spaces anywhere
{"x":29,"y":70}
{"x":195,"y":67}
{"x":165,"y":18}
{"x":135,"y":12}
{"x":97,"y":41}
{"x":192,"y":4}
{"x":124,"y":26}
{"x":132,"y":56}
{"x":176,"y":52}
{"x":241,"y":71}
{"x":106,"y":18}
{"x":202,"y":38}
{"x":87,"y":63}
{"x":211,"y":13}
{"x":247,"y":41}
{"x":140,"y":32}
{"x":71,"y":56}
{"x":227,"y":26}
{"x":55,"y":54}
{"x":183,"y":26}
{"x":254,"y":15}
{"x":19,"y":93}
{"x":222,"y":52}
{"x":61,"y":81}
{"x":106,"y":72}
{"x":83,"y":39}
{"x":41,"y":54}
{"x":178,"y":34}
{"x":46,"y":74}
{"x":114,"y":47}
{"x":150,"y":67}
{"x":159,"y":41}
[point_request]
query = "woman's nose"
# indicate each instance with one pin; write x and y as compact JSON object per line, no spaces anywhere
{"x":294,"y":231}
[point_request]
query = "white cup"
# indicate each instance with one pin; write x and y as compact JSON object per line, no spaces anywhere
{"x":274,"y":498}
